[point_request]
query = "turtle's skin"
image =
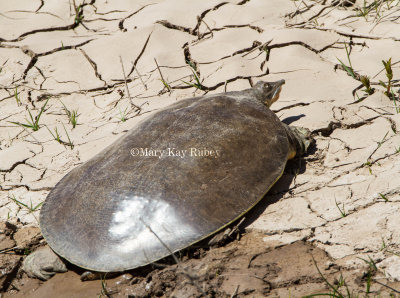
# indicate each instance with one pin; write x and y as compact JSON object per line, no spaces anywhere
{"x":123,"y":209}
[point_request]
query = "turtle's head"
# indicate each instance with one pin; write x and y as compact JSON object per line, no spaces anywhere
{"x":268,"y":92}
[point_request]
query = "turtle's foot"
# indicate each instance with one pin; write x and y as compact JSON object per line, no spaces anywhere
{"x":226,"y":235}
{"x":299,"y":140}
{"x":43,"y":264}
{"x":89,"y":275}
{"x":93,"y":275}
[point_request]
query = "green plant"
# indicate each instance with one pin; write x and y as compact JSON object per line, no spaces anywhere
{"x":33,"y":123}
{"x":78,"y":13}
{"x":376,"y":6}
{"x":384,"y":197}
{"x":105,"y":292}
{"x":397,"y":109}
{"x":56,"y":137}
{"x":370,"y":262}
{"x":16,"y":95}
{"x":334,"y":289}
{"x":122,"y":115}
{"x":368,"y":164}
{"x":383,"y":244}
{"x":162,"y":78}
{"x":198,"y":84}
{"x":371,"y":270}
{"x":30,"y":208}
{"x":349,"y":69}
{"x":341,"y":210}
{"x":71,"y":114}
{"x":191,"y":65}
{"x":389,"y":75}
{"x":367,"y":84}
{"x":383,"y":140}
{"x":364,"y":10}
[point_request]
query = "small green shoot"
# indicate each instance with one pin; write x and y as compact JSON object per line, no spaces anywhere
{"x":371,"y":270}
{"x":383,"y":244}
{"x":191,"y":64}
{"x":198,"y":84}
{"x":122,"y":115}
{"x":383,"y":197}
{"x":72,"y":115}
{"x":367,"y":84}
{"x":397,"y":150}
{"x":62,"y":45}
{"x":349,"y":69}
{"x":334,"y":290}
{"x":371,"y":263}
{"x":70,"y":144}
{"x":364,"y":10}
{"x":368,"y":164}
{"x":393,"y":253}
{"x":397,"y":109}
{"x":341,"y":210}
{"x":16,"y":95}
{"x":105,"y":292}
{"x":56,"y":137}
{"x":166,"y":85}
{"x":383,"y":140}
{"x":33,"y":123}
{"x":379,"y":144}
{"x":389,"y":75}
{"x":368,"y":287}
{"x":30,"y":208}
{"x":78,"y":13}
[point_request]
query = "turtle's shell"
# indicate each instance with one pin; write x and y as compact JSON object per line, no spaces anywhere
{"x":123,"y":209}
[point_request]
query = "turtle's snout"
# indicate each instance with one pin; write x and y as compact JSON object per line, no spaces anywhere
{"x":269,"y":91}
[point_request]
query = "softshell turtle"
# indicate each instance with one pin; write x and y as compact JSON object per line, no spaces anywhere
{"x":181,"y":175}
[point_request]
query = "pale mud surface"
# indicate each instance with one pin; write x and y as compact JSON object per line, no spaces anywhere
{"x":340,"y":203}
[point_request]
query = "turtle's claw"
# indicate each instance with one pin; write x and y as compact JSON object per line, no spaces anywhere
{"x":43,"y":264}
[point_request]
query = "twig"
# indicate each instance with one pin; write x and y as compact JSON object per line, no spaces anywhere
{"x":191,"y":278}
{"x":162,"y":78}
{"x":140,"y":77}
{"x":236,"y":292}
{"x":389,"y":287}
{"x":126,"y":86}
{"x":9,"y":249}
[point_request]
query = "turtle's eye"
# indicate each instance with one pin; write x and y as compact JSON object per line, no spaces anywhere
{"x":268,"y":87}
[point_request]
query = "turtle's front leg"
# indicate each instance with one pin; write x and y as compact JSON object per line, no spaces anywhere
{"x":43,"y":263}
{"x":299,"y":140}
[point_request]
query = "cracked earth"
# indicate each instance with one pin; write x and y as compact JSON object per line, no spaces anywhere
{"x":339,"y":204}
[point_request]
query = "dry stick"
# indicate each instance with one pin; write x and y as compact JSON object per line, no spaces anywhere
{"x":140,"y":77}
{"x":126,"y":86}
{"x":175,"y":258}
{"x":259,"y":47}
{"x":9,"y":249}
{"x":382,"y":284}
{"x":162,"y":78}
{"x":209,"y":29}
{"x":236,"y":292}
